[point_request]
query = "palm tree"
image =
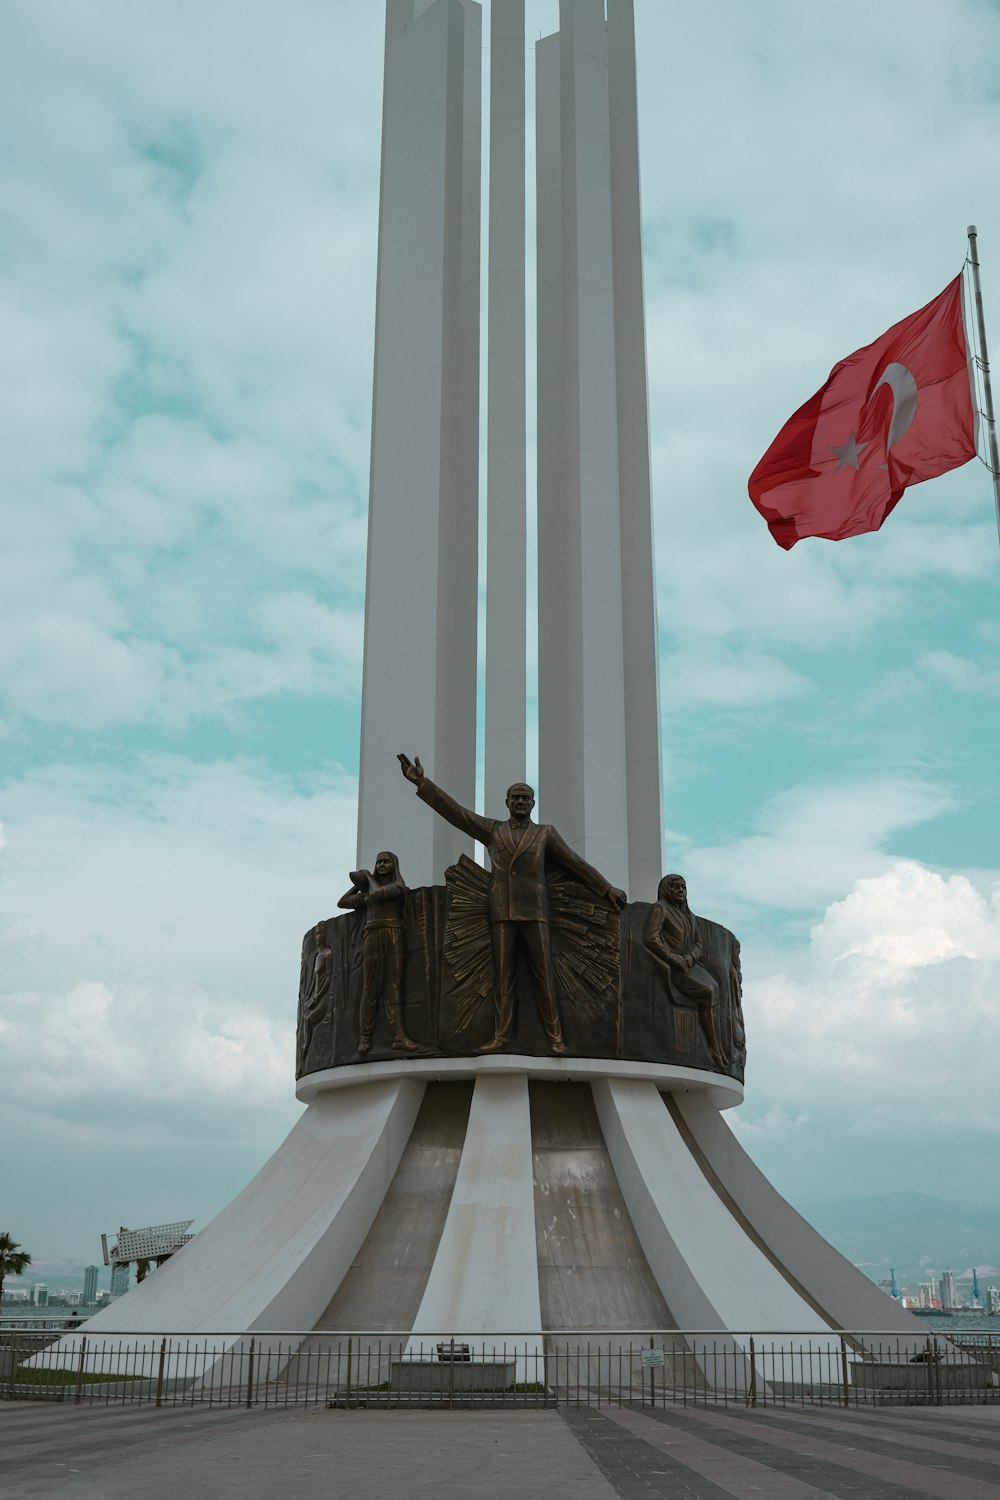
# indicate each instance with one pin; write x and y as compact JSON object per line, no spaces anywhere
{"x":13,"y":1260}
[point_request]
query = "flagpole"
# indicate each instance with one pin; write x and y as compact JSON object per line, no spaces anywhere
{"x":984,"y":361}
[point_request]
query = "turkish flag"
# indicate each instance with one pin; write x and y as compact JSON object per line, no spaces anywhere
{"x":896,"y":412}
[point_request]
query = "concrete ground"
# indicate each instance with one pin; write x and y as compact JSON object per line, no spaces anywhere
{"x":893,"y":1453}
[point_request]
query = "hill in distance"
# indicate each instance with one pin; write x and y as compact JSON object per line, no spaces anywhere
{"x":918,"y":1234}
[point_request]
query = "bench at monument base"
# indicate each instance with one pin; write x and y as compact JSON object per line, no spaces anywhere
{"x":435,"y":1375}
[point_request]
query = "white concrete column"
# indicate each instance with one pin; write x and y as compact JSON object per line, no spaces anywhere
{"x":485,"y":1274}
{"x":419,"y":688}
{"x":506,"y":581}
{"x":639,"y":622}
{"x":844,"y":1292}
{"x":580,"y":634}
{"x":273,"y":1258}
{"x":398,"y":15}
{"x":710,"y":1272}
{"x":558,"y":797}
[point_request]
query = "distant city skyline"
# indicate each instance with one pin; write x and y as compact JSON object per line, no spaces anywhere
{"x":948,"y":1290}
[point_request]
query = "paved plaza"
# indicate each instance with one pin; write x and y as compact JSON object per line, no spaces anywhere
{"x":899,"y":1453}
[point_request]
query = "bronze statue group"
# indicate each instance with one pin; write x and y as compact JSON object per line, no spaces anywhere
{"x":522,"y":853}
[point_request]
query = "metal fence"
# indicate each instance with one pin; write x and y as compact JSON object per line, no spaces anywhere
{"x":659,"y":1368}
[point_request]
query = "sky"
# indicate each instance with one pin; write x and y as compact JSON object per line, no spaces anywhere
{"x":187,"y":279}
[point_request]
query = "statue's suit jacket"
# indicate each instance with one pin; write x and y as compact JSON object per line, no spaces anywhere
{"x":518,"y":892}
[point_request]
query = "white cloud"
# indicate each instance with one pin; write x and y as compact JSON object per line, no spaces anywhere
{"x":69,"y":670}
{"x":138,"y":1046}
{"x":882,"y":1029}
{"x":187,"y":310}
{"x":910,"y":918}
{"x":149,"y":955}
{"x":731,"y":677}
{"x":961,"y":674}
{"x":939,"y":669}
{"x":171,"y":872}
{"x":810,"y":843}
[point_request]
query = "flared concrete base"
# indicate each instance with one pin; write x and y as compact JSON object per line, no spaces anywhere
{"x":504,"y":1205}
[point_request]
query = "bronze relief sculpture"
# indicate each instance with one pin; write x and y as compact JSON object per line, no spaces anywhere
{"x":538,"y":954}
{"x":672,"y":941}
{"x":315,"y":979}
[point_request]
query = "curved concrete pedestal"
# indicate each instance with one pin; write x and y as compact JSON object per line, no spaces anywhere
{"x":494,"y":1200}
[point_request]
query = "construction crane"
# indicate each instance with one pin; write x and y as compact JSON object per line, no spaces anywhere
{"x":893,"y":1287}
{"x":977,"y":1296}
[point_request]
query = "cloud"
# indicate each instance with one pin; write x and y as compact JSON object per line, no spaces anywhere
{"x":935,"y":670}
{"x":106,"y":1054}
{"x":908,"y":919}
{"x":149,"y":955}
{"x":69,"y":670}
{"x":960,"y":673}
{"x":811,"y":842}
{"x":731,"y":677}
{"x":878,"y":1031}
{"x":189,"y":403}
{"x":169,"y":871}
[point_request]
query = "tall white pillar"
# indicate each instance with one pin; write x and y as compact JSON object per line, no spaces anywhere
{"x":506,"y":585}
{"x":557,"y":797}
{"x":421,"y":597}
{"x":639,"y":622}
{"x":582,"y":752}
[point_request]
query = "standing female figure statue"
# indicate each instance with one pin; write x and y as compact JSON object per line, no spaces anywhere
{"x":380,"y":894}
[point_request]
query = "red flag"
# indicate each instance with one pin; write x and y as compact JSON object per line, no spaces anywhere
{"x":896,"y":412}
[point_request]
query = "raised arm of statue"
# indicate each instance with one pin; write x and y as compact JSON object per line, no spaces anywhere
{"x":462,"y":818}
{"x":358,"y":895}
{"x":577,"y":866}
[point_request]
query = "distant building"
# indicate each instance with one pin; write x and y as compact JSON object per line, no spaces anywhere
{"x":993,"y":1300}
{"x":90,"y":1285}
{"x":39,"y":1295}
{"x":949,"y":1291}
{"x":120,"y":1279}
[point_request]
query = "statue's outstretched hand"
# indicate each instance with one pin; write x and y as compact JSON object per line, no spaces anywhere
{"x":618,"y":898}
{"x":412,"y":770}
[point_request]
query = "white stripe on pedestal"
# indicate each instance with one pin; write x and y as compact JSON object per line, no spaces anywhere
{"x":485,"y":1274}
{"x":710,"y":1272}
{"x":844,"y":1292}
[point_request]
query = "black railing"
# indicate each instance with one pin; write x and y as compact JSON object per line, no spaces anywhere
{"x":661,"y":1368}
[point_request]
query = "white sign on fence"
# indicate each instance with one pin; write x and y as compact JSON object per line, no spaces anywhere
{"x":651,"y":1358}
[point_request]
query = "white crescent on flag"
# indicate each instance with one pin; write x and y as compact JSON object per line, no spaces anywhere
{"x":904,"y":400}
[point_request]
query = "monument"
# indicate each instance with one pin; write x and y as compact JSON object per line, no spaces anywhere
{"x":514,"y":1075}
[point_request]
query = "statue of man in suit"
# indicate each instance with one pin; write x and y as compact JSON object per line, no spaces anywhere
{"x":518,"y":897}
